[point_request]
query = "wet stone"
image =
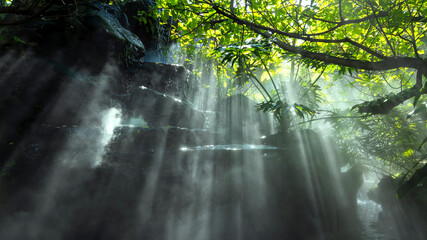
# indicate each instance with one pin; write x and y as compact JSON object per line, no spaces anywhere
{"x":160,"y":110}
{"x":240,"y":121}
{"x":171,"y":79}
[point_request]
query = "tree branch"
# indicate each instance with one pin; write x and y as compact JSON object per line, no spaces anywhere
{"x":385,"y":104}
{"x":343,"y":23}
{"x":19,"y":10}
{"x":327,"y":118}
{"x":31,"y":16}
{"x":386,"y":64}
{"x":412,"y":183}
{"x":294,"y":35}
{"x":380,"y":28}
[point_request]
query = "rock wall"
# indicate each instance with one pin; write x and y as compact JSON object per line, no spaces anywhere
{"x":62,"y":68}
{"x":403,"y":218}
{"x":69,"y":75}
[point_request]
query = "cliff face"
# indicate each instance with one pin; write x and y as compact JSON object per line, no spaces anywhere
{"x":52,"y":65}
{"x":61,"y":70}
{"x":96,"y":143}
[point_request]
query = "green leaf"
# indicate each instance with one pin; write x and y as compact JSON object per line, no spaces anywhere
{"x":419,"y":109}
{"x":18,"y":40}
{"x":417,"y":97}
{"x":422,"y":144}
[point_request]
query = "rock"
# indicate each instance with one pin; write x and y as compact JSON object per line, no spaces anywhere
{"x":71,"y":61}
{"x":352,"y":180}
{"x":153,"y":35}
{"x":47,"y":93}
{"x":401,"y":218}
{"x":32,"y":158}
{"x":240,"y":121}
{"x":147,"y":140}
{"x":54,"y":129}
{"x":61,"y":69}
{"x":303,"y":172}
{"x":85,"y":36}
{"x":160,"y":110}
{"x":170,"y":79}
{"x":316,"y":147}
{"x":58,"y":77}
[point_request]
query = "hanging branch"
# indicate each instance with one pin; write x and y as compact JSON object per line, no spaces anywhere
{"x":412,"y":182}
{"x":317,"y":79}
{"x":30,"y":12}
{"x":386,"y":63}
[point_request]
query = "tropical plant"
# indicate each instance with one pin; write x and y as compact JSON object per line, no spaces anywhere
{"x":355,"y":37}
{"x":374,"y":46}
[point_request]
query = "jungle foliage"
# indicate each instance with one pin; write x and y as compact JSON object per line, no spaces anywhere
{"x":372,"y":47}
{"x":355,"y":37}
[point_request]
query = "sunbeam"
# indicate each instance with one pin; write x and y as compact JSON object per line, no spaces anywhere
{"x":213,"y":120}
